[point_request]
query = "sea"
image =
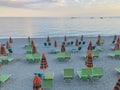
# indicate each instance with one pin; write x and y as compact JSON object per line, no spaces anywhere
{"x":41,"y":27}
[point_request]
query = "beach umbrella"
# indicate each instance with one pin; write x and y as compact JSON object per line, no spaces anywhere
{"x":82,"y":38}
{"x":29,"y":39}
{"x":7,"y":45}
{"x":34,"y":50}
{"x":32,"y":43}
{"x":117,"y":86}
{"x":43,"y":63}
{"x":48,"y":39}
{"x":0,"y":65}
{"x":10,"y":40}
{"x":118,"y":40}
{"x":116,"y":46}
{"x":89,"y":62}
{"x":90,"y":45}
{"x":115,"y":37}
{"x":65,"y":38}
{"x":98,"y":40}
{"x":76,"y":42}
{"x":55,"y":43}
{"x":63,"y":48}
{"x":3,"y":51}
{"x":37,"y":83}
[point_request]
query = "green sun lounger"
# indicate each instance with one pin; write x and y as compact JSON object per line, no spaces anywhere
{"x":68,"y":73}
{"x":97,"y":72}
{"x":29,"y":57}
{"x":29,"y":50}
{"x":85,"y":73}
{"x":4,"y":77}
{"x":37,"y":57}
{"x":6,"y":59}
{"x":63,"y":56}
{"x":117,"y":69}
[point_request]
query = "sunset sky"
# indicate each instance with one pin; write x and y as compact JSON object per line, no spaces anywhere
{"x":59,"y":8}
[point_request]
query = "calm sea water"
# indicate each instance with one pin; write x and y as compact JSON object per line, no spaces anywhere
{"x":57,"y":27}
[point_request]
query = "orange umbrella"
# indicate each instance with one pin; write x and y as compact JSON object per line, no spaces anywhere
{"x":76,"y":43}
{"x":90,"y":45}
{"x":34,"y":50}
{"x":7,"y":45}
{"x":99,"y":39}
{"x":48,"y":39}
{"x":55,"y":43}
{"x":118,"y":40}
{"x":3,"y":51}
{"x":116,"y":46}
{"x":89,"y":62}
{"x":117,"y":86}
{"x":82,"y":38}
{"x":29,"y":39}
{"x":37,"y":83}
{"x":32,"y":43}
{"x":10,"y":40}
{"x":115,"y":37}
{"x":63,"y":48}
{"x":65,"y":38}
{"x":43,"y":64}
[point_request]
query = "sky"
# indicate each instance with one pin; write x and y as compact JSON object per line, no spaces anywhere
{"x":59,"y":8}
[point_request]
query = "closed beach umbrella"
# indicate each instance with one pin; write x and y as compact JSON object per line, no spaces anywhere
{"x":43,"y":63}
{"x":34,"y":50}
{"x":65,"y":38}
{"x":29,"y":39}
{"x":117,"y":86}
{"x":76,"y":42}
{"x":32,"y":43}
{"x":116,"y":46}
{"x":7,"y":45}
{"x":90,"y":45}
{"x":37,"y":83}
{"x":118,"y":40}
{"x":48,"y":39}
{"x":10,"y":40}
{"x":3,"y":51}
{"x":89,"y":62}
{"x":63,"y":48}
{"x":55,"y":43}
{"x":98,"y":40}
{"x":82,"y":38}
{"x":115,"y":37}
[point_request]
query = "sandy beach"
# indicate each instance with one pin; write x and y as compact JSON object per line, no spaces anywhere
{"x":23,"y":72}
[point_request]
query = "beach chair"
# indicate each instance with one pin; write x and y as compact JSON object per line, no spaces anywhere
{"x":29,"y":50}
{"x":4,"y":77}
{"x":85,"y":73}
{"x":95,"y":54}
{"x":60,"y":56}
{"x":97,"y":72}
{"x":6,"y":59}
{"x":117,"y":69}
{"x":102,"y":41}
{"x":30,"y":57}
{"x":67,"y":55}
{"x":37,"y":57}
{"x":68,"y":74}
{"x":48,"y":80}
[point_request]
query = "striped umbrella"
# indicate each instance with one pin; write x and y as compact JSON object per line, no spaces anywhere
{"x":34,"y":50}
{"x":90,"y":45}
{"x":117,"y":46}
{"x":43,"y":63}
{"x":10,"y":40}
{"x":48,"y":39}
{"x":76,"y":42}
{"x":89,"y":62}
{"x":55,"y":43}
{"x":2,"y":50}
{"x":65,"y":38}
{"x":63,"y":48}
{"x":7,"y":45}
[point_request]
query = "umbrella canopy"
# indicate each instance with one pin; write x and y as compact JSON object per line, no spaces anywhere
{"x":7,"y":45}
{"x":29,"y":39}
{"x":117,"y":86}
{"x":118,"y":40}
{"x":98,"y":40}
{"x":89,"y":62}
{"x":43,"y":63}
{"x":2,"y":50}
{"x":10,"y":40}
{"x":117,"y":46}
{"x":82,"y":38}
{"x":32,"y":43}
{"x":48,"y":39}
{"x":34,"y":50}
{"x":63,"y":48}
{"x":65,"y":38}
{"x":36,"y":83}
{"x":76,"y":42}
{"x":90,"y":45}
{"x":55,"y":43}
{"x":115,"y":37}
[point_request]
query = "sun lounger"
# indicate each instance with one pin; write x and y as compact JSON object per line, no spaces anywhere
{"x":116,"y":54}
{"x":89,"y":73}
{"x":36,"y":57}
{"x":29,"y":50}
{"x":4,"y":77}
{"x":117,"y":69}
{"x":6,"y":59}
{"x":48,"y":80}
{"x":63,"y":56}
{"x":68,"y":74}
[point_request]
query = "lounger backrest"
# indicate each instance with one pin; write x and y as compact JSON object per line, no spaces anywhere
{"x":87,"y":71}
{"x":98,"y":70}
